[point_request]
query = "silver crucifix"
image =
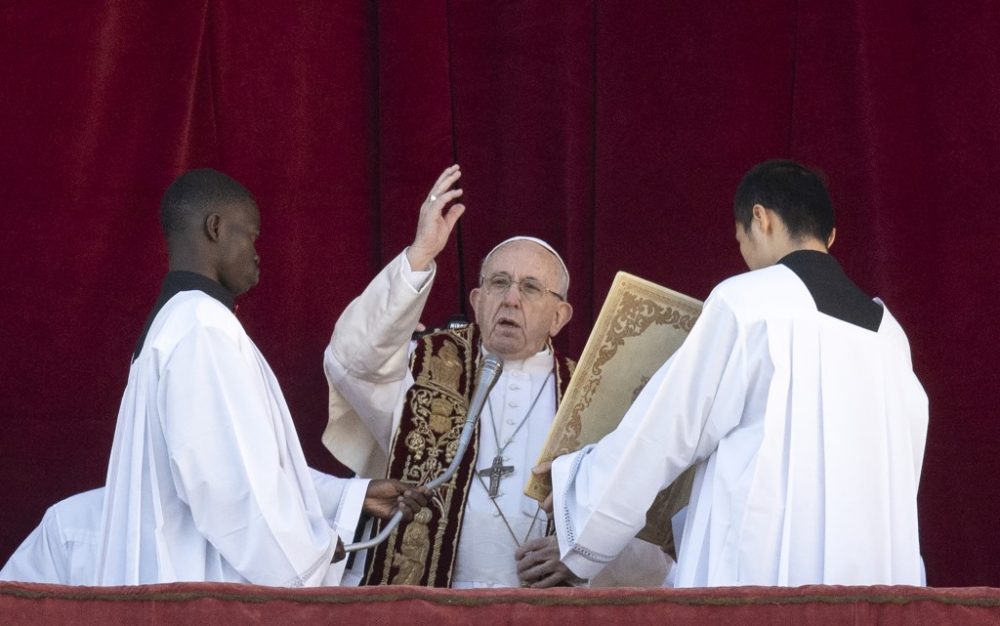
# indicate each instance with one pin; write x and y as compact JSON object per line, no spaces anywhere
{"x":496,"y":472}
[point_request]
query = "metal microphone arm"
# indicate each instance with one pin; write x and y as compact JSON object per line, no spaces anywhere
{"x":489,"y":374}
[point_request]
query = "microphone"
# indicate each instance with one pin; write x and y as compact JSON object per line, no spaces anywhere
{"x":489,"y":374}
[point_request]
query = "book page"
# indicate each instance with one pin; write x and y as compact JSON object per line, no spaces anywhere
{"x":640,"y":325}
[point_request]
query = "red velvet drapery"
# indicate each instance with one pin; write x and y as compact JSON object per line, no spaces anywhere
{"x":617,"y":131}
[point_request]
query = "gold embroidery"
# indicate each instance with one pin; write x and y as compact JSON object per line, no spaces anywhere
{"x":632,"y":317}
{"x":444,"y":367}
{"x":409,"y":560}
{"x":415,"y":444}
{"x":441,"y":415}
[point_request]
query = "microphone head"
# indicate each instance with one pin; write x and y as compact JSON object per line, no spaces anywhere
{"x":492,"y":366}
{"x":489,"y":374}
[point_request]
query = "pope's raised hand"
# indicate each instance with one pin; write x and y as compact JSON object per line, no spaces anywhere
{"x":435,"y":223}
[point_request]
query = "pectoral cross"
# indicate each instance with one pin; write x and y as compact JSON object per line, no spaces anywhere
{"x":496,"y":472}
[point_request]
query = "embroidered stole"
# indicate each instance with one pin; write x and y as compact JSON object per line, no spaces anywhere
{"x":422,"y":552}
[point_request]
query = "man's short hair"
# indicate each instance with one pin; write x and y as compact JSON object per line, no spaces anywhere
{"x":795,"y":192}
{"x":194,"y":194}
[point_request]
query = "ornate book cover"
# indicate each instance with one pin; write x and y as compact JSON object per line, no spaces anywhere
{"x":640,"y":325}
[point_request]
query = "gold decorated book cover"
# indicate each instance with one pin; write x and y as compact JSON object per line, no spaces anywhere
{"x":640,"y":325}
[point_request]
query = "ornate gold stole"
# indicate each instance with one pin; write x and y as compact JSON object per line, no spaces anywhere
{"x":422,"y":552}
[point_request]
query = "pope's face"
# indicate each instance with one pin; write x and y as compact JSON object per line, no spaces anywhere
{"x":515,"y":326}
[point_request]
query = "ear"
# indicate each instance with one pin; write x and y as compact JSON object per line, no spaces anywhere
{"x":564,"y":312}
{"x":474,"y":301}
{"x":763,"y":217}
{"x":833,"y":236}
{"x":213,"y":226}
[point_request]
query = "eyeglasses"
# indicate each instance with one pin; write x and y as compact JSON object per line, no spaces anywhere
{"x":530,"y":289}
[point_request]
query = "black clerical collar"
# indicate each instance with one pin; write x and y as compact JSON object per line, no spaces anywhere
{"x":176,"y":282}
{"x":832,"y":291}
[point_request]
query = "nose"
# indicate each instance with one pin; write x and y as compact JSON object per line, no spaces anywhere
{"x":512,"y":297}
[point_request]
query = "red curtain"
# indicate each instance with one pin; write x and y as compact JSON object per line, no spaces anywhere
{"x":616,"y":131}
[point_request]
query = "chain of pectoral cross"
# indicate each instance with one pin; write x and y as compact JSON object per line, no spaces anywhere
{"x":534,"y":518}
{"x":497,"y":471}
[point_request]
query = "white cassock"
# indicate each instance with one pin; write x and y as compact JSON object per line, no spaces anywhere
{"x":367,"y":366}
{"x":207,"y":480}
{"x":62,"y":549}
{"x":811,"y":435}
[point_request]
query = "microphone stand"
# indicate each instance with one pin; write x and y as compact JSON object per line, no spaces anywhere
{"x":489,"y":373}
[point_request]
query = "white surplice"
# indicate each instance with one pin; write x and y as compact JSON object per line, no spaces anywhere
{"x":810,"y":433}
{"x":207,"y":480}
{"x":62,"y":549}
{"x":367,"y":366}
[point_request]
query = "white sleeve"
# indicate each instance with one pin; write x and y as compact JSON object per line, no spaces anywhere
{"x":230,"y":469}
{"x":367,"y":366}
{"x":601,"y":493}
{"x":62,"y":549}
{"x":342,"y":500}
{"x":41,"y":557}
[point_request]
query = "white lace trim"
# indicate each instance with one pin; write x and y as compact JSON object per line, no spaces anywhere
{"x":590,"y":555}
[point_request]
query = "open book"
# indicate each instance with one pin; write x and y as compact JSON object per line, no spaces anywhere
{"x":640,"y":325}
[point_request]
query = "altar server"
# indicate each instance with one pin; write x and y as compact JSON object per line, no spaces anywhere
{"x":207,"y":480}
{"x":794,"y":395}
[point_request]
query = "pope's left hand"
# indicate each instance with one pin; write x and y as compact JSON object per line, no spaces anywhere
{"x":538,"y":564}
